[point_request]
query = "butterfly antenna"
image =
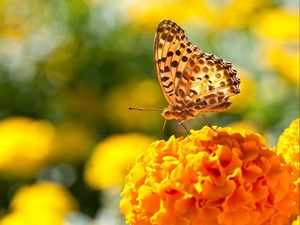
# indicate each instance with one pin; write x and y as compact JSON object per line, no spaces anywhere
{"x":207,"y":122}
{"x":143,"y":109}
{"x":187,"y":131}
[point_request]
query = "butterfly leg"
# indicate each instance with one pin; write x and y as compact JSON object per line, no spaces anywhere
{"x":207,"y":122}
{"x":164,"y":126}
{"x":186,"y":129}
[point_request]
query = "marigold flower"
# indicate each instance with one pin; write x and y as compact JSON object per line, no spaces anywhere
{"x":209,"y":178}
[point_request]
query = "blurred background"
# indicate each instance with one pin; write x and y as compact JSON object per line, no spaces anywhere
{"x":69,"y":70}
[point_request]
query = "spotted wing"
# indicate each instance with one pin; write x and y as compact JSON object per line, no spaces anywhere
{"x":168,"y":42}
{"x":190,"y":78}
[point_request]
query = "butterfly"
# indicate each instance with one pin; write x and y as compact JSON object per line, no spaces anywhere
{"x":192,"y":81}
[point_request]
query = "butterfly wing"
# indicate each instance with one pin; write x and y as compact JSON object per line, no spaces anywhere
{"x":190,"y":78}
{"x":167,"y":44}
{"x":207,"y":83}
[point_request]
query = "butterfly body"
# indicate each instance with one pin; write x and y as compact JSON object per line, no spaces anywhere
{"x":192,"y":81}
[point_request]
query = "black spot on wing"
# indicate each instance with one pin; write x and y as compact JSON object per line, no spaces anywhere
{"x":174,"y":63}
{"x":169,"y":85}
{"x":164,"y":79}
{"x":178,"y":74}
{"x":170,"y":53}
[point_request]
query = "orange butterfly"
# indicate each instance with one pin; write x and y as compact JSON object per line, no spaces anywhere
{"x":192,"y":80}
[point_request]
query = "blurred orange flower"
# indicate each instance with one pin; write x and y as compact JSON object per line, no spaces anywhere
{"x":25,"y":145}
{"x":209,"y":178}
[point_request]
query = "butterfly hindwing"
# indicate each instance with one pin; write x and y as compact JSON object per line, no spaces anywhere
{"x":212,"y":81}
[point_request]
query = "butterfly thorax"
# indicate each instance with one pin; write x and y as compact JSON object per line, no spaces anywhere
{"x":192,"y":110}
{"x":181,"y":114}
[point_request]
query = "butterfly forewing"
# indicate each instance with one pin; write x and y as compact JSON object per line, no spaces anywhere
{"x":168,"y":41}
{"x":191,"y":80}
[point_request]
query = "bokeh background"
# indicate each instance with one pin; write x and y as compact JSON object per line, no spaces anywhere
{"x":69,"y":70}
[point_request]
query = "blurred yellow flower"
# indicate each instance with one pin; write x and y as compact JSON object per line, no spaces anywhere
{"x":278,"y":24}
{"x":44,"y":196}
{"x":217,"y":15}
{"x":13,"y":21}
{"x":108,"y":163}
{"x":243,"y":100}
{"x":228,"y":14}
{"x":209,"y":178}
{"x":244,"y":126}
{"x":286,"y":61}
{"x":42,"y":202}
{"x":72,"y":143}
{"x":32,"y":218}
{"x":288,"y":147}
{"x":289,"y":144}
{"x":279,"y":30}
{"x":296,"y":221}
{"x":25,"y":145}
{"x":148,"y":14}
{"x":145,"y":94}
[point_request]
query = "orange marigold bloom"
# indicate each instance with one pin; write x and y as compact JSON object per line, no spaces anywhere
{"x":209,"y":178}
